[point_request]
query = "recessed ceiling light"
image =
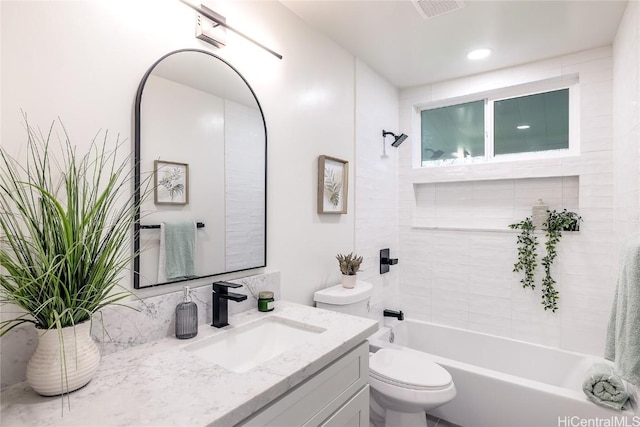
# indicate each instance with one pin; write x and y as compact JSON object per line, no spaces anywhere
{"x":478,"y":54}
{"x":523,"y":127}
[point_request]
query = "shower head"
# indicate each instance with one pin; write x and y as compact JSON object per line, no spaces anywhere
{"x":435,"y":155}
{"x":398,"y":139}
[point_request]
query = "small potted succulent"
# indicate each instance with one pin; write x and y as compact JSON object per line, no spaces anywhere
{"x":349,"y":266}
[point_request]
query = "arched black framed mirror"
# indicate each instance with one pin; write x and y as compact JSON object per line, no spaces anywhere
{"x":200,"y":129}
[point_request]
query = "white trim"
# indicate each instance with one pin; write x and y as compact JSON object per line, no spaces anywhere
{"x":478,"y":229}
{"x":538,"y":86}
{"x":416,"y":143}
{"x":488,"y":130}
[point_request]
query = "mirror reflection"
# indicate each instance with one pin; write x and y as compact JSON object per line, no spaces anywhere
{"x":200,"y":130}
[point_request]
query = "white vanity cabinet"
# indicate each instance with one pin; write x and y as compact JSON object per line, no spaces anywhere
{"x":336,"y":396}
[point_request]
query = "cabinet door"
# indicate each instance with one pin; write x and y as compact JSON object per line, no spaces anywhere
{"x":321,"y":395}
{"x":354,"y":413}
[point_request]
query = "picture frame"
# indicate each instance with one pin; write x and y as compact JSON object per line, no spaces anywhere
{"x":333,"y":185}
{"x":171,"y":183}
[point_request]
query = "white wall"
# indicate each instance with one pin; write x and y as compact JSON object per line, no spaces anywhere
{"x":82,"y":61}
{"x":626,"y":131}
{"x":464,"y":278}
{"x":377,"y":185}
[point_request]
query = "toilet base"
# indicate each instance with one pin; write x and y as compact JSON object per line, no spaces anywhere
{"x":381,"y":417}
{"x":413,"y":419}
{"x":376,"y":412}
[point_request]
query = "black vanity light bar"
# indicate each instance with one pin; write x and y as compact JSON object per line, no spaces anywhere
{"x":152,"y":226}
{"x":230,"y":28}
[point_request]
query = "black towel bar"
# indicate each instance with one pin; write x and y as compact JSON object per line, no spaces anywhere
{"x":152,"y":226}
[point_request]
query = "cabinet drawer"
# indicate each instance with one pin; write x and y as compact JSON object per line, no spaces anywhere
{"x":319,"y":396}
{"x":354,"y":413}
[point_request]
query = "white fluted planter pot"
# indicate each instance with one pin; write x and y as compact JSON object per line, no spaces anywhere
{"x":348,"y":281}
{"x":46,"y":372}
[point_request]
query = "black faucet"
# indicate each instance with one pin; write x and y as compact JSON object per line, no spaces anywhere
{"x":221,"y":295}
{"x":392,"y":313}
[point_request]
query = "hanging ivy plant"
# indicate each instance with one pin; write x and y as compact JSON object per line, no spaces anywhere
{"x":527,"y":255}
{"x":556,"y":223}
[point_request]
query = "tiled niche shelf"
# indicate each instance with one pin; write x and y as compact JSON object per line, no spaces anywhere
{"x":489,"y":205}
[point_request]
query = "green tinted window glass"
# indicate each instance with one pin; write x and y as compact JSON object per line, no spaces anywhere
{"x":532,"y":123}
{"x":453,"y":132}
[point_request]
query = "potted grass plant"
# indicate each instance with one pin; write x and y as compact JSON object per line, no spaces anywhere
{"x":349,"y":266}
{"x":65,"y":225}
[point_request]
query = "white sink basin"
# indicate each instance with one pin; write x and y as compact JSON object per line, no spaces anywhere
{"x":245,"y":347}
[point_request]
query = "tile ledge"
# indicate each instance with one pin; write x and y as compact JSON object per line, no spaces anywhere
{"x":480,"y":229}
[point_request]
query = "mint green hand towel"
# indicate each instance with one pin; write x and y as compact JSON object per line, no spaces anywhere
{"x":623,"y":333}
{"x":603,"y":387}
{"x":180,"y":248}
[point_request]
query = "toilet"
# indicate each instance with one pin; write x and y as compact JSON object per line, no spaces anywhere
{"x":404,"y":384}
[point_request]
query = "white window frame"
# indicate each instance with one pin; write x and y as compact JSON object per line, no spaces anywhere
{"x":490,"y":97}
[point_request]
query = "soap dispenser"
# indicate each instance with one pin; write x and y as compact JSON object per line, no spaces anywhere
{"x":186,"y":317}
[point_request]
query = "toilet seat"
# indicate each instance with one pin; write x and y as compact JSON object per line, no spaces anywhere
{"x":408,"y":370}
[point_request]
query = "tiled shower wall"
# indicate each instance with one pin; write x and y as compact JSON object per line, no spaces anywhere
{"x":376,"y":185}
{"x":626,"y":108}
{"x":457,"y":251}
{"x":626,"y":133}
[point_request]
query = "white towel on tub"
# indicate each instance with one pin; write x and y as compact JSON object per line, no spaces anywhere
{"x":603,"y":387}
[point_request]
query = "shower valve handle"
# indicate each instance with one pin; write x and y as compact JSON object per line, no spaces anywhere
{"x":386,"y":261}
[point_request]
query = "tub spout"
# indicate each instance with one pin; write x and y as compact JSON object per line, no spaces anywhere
{"x":393,"y":313}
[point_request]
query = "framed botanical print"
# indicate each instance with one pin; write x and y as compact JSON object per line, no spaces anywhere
{"x":333,"y":175}
{"x":171,"y":183}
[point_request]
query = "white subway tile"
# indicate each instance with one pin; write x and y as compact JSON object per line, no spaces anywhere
{"x":594,"y":58}
{"x":490,"y":305}
{"x":489,"y":324}
{"x":458,"y":318}
{"x":465,"y":278}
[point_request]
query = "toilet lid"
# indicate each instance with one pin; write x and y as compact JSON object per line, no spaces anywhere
{"x":407,"y":369}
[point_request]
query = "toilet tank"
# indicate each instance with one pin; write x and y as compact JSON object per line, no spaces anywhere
{"x":354,"y":301}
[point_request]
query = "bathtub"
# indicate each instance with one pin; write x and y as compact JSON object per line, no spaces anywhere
{"x":503,"y":382}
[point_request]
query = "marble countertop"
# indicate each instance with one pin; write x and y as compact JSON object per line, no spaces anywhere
{"x":160,"y":383}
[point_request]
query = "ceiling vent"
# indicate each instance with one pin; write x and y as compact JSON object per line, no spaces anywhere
{"x":431,"y":8}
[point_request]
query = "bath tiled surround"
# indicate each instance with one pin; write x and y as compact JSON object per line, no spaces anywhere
{"x":626,"y":112}
{"x":462,"y":276}
{"x":376,"y":225}
{"x":119,"y":327}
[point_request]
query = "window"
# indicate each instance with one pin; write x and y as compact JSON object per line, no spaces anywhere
{"x":453,"y":132}
{"x":492,"y":127}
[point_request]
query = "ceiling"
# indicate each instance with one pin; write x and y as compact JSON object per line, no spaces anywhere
{"x":408,"y":50}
